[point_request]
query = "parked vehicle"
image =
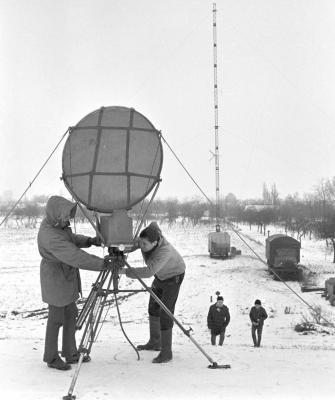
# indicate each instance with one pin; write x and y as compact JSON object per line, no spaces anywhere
{"x":219,"y":244}
{"x":283,"y":256}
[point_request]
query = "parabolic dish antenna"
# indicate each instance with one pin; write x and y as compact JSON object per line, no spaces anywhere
{"x":112,"y":159}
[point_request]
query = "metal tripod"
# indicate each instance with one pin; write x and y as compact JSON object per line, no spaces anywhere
{"x":91,"y":313}
{"x":107,"y":283}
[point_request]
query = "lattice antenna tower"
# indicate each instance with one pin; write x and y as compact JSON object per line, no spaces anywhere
{"x":216,"y":124}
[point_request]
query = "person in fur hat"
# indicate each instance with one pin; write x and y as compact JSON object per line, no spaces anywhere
{"x":168,"y":268}
{"x":218,"y":319}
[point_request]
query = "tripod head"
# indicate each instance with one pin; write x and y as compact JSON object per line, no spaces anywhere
{"x":115,"y":260}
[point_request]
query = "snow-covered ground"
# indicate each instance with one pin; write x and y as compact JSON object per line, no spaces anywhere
{"x":288,"y":365}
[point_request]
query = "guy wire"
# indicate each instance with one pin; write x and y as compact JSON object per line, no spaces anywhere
{"x":91,"y":222}
{"x":142,"y":203}
{"x":250,"y":248}
{"x":139,"y":225}
{"x":177,"y":158}
{"x":35,"y":177}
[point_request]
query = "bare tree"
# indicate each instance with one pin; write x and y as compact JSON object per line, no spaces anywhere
{"x":274,"y":195}
{"x":32,"y":211}
{"x":172,"y":210}
{"x":266,"y":195}
{"x":326,"y":230}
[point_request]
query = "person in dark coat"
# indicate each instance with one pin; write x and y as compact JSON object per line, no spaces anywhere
{"x":257,"y":316}
{"x":218,"y":319}
{"x":62,"y":258}
{"x":168,"y":267}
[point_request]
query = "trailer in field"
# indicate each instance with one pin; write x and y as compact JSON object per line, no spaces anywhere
{"x":283,"y":256}
{"x":219,"y":244}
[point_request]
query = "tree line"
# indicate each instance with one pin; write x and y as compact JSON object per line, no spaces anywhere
{"x":311,"y":214}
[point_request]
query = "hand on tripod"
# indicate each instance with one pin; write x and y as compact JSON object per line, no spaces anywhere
{"x":114,"y":262}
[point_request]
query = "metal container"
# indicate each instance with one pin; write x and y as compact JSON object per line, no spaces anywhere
{"x":117,"y":229}
{"x":219,"y":244}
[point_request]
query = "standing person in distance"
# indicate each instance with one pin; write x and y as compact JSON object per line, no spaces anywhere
{"x":257,"y":316}
{"x":60,"y":279}
{"x":218,"y":319}
{"x":168,"y":267}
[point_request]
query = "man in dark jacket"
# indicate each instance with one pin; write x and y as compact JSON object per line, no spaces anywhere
{"x":60,"y":279}
{"x":218,"y":319}
{"x":257,"y":316}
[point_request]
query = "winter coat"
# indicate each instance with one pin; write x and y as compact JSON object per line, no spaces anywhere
{"x":218,"y":318}
{"x":163,"y":261}
{"x":258,"y":315}
{"x":61,"y":255}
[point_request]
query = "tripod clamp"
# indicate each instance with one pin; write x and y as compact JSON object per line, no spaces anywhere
{"x":188,"y":331}
{"x":115,"y":260}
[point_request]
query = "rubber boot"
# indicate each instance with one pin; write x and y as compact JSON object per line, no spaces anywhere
{"x":154,"y":342}
{"x":166,"y":353}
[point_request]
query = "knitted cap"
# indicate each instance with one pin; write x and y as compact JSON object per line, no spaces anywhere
{"x":258,"y":302}
{"x":220,"y":298}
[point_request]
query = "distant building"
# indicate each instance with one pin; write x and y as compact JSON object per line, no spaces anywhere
{"x":259,"y":207}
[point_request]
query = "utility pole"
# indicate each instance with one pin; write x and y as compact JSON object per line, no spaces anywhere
{"x":216,"y":124}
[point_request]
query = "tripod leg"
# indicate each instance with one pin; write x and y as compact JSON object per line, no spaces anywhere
{"x":91,"y":299}
{"x":93,"y":316}
{"x":88,"y":336}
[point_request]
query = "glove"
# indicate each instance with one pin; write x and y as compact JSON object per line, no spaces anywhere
{"x":96,"y":241}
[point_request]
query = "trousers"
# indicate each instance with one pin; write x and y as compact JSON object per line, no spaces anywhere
{"x":167,"y":291}
{"x":215,"y":333}
{"x":256,"y":338}
{"x":57,"y":317}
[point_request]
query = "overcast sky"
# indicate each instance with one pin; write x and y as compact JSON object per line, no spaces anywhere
{"x":62,"y":59}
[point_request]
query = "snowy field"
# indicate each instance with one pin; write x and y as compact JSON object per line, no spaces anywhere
{"x":289,"y":365}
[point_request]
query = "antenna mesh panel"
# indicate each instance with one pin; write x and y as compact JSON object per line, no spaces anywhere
{"x":112,"y":159}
